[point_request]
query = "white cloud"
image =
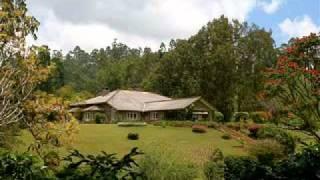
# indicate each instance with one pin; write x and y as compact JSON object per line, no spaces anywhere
{"x":298,"y":26}
{"x":95,"y":23}
{"x":270,"y":7}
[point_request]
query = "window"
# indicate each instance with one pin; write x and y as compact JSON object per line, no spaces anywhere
{"x":154,"y":115}
{"x":132,"y":116}
{"x":89,"y":116}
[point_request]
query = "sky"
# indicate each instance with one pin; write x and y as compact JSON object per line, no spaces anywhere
{"x":146,"y":23}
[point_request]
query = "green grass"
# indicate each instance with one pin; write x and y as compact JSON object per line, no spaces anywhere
{"x":94,"y":138}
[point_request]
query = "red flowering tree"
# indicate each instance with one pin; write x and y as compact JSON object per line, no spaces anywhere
{"x":294,"y":83}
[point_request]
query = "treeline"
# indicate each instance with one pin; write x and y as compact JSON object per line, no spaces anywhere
{"x":224,"y":63}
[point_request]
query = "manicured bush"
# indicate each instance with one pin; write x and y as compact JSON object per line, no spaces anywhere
{"x":226,"y":136}
{"x":133,"y":136}
{"x":131,"y":124}
{"x":165,"y":164}
{"x":253,"y":129}
{"x":219,"y":117}
{"x":270,"y":132}
{"x":199,"y":129}
{"x":267,"y":150}
{"x":209,"y":124}
{"x":237,"y":116}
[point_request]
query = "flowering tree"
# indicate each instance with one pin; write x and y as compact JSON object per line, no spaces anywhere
{"x":294,"y":83}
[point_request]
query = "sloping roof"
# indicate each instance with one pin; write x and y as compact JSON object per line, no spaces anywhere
{"x":127,"y":100}
{"x":92,"y":108}
{"x":95,"y":100}
{"x":75,"y":109}
{"x":170,"y":104}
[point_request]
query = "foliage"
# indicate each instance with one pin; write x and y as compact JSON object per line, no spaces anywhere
{"x":226,"y":136}
{"x":161,"y":163}
{"x":133,"y":136}
{"x":48,"y":121}
{"x":209,"y":124}
{"x":218,"y":116}
{"x":259,"y":116}
{"x":245,"y":168}
{"x":131,"y":124}
{"x":102,"y":166}
{"x":293,"y":84}
{"x":284,"y":138}
{"x":100,"y":118}
{"x":304,"y":165}
{"x":237,"y":116}
{"x":199,"y":129}
{"x":214,"y":168}
{"x":52,"y":160}
{"x":21,"y":166}
{"x":267,"y":150}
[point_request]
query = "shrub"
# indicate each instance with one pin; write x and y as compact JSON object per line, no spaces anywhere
{"x":100,"y":118}
{"x":226,"y":136}
{"x":102,"y":166}
{"x":253,"y":129}
{"x":301,"y":166}
{"x":209,"y":124}
{"x":267,"y":150}
{"x":131,"y":124}
{"x":20,"y":166}
{"x":214,"y":168}
{"x":269,"y":132}
{"x":133,"y":136}
{"x":244,"y":167}
{"x":164,"y":164}
{"x":219,"y":117}
{"x":199,"y":129}
{"x":237,"y":116}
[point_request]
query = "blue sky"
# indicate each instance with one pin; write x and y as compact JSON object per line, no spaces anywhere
{"x":140,"y":23}
{"x":289,"y":9}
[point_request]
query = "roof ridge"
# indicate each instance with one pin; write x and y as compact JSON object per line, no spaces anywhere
{"x":173,"y":99}
{"x":116,"y":92}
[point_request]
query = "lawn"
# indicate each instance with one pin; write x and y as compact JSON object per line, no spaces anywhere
{"x":93,"y":138}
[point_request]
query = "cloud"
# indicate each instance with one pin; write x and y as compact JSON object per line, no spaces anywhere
{"x":298,"y":26}
{"x":270,"y":7}
{"x":95,"y":23}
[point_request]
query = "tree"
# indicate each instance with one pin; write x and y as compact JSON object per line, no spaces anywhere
{"x":16,"y":67}
{"x":22,"y":69}
{"x":294,"y":83}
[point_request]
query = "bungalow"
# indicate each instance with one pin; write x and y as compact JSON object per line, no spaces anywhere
{"x":124,"y":105}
